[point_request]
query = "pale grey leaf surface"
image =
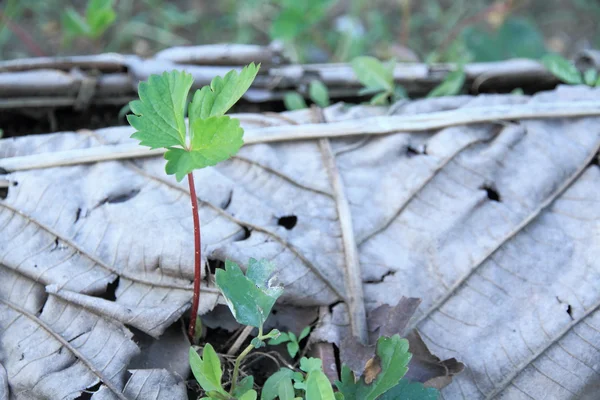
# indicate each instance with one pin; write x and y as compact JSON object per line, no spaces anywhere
{"x":493,"y":225}
{"x":3,"y":383}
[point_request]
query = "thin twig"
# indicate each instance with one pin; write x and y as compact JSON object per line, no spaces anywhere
{"x":352,"y":270}
{"x":235,"y":347}
{"x":367,"y":126}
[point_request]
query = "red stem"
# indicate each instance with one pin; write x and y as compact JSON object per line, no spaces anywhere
{"x":23,"y":36}
{"x":197,"y":259}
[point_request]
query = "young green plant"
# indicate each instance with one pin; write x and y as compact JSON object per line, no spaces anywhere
{"x":378,"y":80}
{"x":210,"y":137}
{"x":99,"y":16}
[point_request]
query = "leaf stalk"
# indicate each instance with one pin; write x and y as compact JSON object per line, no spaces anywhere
{"x":197,"y":258}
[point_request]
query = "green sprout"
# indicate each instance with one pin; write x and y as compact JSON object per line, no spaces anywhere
{"x":209,"y":138}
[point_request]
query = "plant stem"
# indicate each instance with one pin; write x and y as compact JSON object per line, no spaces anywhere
{"x":238,"y":360}
{"x":236,"y":368}
{"x":197,"y":258}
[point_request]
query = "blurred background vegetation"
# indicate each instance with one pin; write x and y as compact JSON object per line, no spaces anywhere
{"x":310,"y":30}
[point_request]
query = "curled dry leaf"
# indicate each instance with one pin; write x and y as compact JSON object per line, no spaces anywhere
{"x":492,"y":224}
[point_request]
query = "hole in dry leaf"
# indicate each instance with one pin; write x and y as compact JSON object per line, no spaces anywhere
{"x":55,"y":247}
{"x":338,"y":360}
{"x":492,"y":193}
{"x":87,"y":393}
{"x":412,"y":151}
{"x":246,"y":234}
{"x":570,"y":311}
{"x":4,"y":192}
{"x":77,"y":214}
{"x":213,"y":264}
{"x":380,"y":280}
{"x":121,"y":198}
{"x":331,"y":306}
{"x":227,"y":202}
{"x":287,"y":221}
{"x":111,"y":290}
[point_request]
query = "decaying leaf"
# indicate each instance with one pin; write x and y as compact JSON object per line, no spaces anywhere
{"x":385,"y":320}
{"x":492,"y":224}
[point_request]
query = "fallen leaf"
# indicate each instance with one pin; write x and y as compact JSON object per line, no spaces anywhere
{"x":477,"y":220}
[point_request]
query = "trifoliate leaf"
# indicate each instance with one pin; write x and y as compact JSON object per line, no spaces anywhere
{"x":270,"y":389}
{"x":382,"y":372}
{"x":373,"y":73}
{"x":215,"y":140}
{"x":222,"y":94}
{"x":158,"y":118}
{"x":250,"y":297}
{"x":407,"y":390}
{"x":562,"y":69}
{"x":207,"y":370}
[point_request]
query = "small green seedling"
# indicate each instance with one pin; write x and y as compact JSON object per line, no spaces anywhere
{"x":378,"y":80}
{"x":452,"y":85}
{"x":293,"y":341}
{"x":317,"y":91}
{"x":250,"y":298}
{"x":210,"y":138}
{"x":99,"y":16}
{"x":568,"y":73}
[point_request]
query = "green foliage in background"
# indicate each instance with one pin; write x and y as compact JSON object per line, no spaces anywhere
{"x":99,"y":16}
{"x":568,"y":73}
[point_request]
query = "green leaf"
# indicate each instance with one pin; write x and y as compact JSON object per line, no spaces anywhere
{"x":407,"y":390}
{"x":249,"y":395}
{"x":244,"y":386}
{"x":318,"y":386}
{"x":311,"y":364}
{"x":282,"y":338}
{"x":380,"y":99}
{"x":293,"y":101}
{"x":272,"y":335}
{"x":516,"y":38}
{"x":400,"y":93}
{"x":292,"y":348}
{"x":215,"y":140}
{"x":562,"y":69}
{"x":286,"y":390}
{"x":451,"y":86}
{"x":590,"y":77}
{"x":319,"y":93}
{"x":386,"y":369}
{"x":207,"y":370}
{"x":257,"y":343}
{"x":517,"y":92}
{"x":293,"y":337}
{"x":100,"y":15}
{"x":73,"y":24}
{"x":215,"y":100}
{"x":270,"y":389}
{"x":304,"y":333}
{"x":250,"y":297}
{"x":158,"y":118}
{"x":373,"y":74}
